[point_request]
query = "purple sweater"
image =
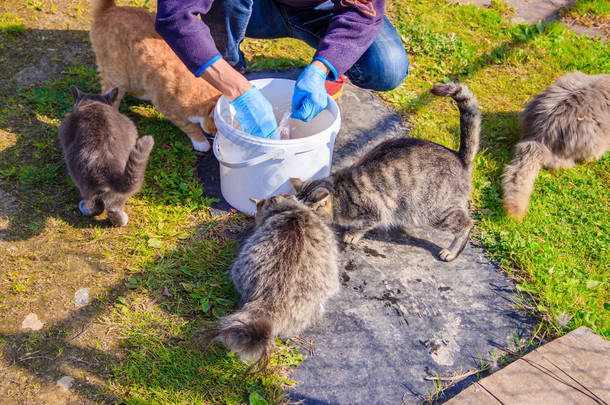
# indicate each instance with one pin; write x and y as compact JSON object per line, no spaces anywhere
{"x":352,"y":29}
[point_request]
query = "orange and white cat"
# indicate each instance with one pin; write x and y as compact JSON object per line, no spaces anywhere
{"x":133,"y":57}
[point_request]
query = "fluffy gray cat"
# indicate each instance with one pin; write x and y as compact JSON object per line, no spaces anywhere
{"x":566,"y":123}
{"x":284,"y":273}
{"x":405,"y":182}
{"x":103,"y":154}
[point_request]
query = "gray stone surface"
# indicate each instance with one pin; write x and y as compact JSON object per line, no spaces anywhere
{"x":532,"y":11}
{"x":81,"y":297}
{"x":402,"y":314}
{"x":65,"y":382}
{"x":529,"y":11}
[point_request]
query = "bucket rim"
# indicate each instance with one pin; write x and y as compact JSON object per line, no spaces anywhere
{"x":237,"y":135}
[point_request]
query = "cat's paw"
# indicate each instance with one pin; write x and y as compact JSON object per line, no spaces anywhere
{"x":202,"y":146}
{"x":119,"y":218}
{"x":447,"y":255}
{"x":351,"y":238}
{"x":145,"y":143}
{"x":83,"y":209}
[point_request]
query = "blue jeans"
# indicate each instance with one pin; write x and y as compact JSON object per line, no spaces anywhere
{"x":382,"y":67}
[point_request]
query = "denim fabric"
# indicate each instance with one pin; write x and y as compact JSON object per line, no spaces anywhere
{"x":382,"y":67}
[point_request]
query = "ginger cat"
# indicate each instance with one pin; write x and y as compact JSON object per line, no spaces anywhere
{"x":133,"y":57}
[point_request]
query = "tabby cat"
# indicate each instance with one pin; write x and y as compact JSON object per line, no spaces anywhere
{"x":405,"y":182}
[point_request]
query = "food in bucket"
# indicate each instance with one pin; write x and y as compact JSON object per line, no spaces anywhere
{"x":284,"y":127}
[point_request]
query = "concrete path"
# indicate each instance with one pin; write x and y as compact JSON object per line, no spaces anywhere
{"x":402,"y":314}
{"x":532,"y":11}
{"x":574,"y":369}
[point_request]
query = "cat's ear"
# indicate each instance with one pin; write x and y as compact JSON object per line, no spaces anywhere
{"x":297,"y":184}
{"x":321,"y":198}
{"x":255,"y":201}
{"x":111,"y":95}
{"x":75,"y":92}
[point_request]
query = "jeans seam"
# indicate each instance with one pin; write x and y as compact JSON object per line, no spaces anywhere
{"x":292,"y":27}
{"x":286,"y":19}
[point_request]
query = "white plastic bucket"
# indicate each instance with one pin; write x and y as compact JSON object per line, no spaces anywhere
{"x":253,"y":167}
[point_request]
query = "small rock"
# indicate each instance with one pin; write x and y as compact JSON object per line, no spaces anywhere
{"x":65,"y":382}
{"x":485,"y":211}
{"x":30,"y":76}
{"x":32,"y":322}
{"x":81,"y":297}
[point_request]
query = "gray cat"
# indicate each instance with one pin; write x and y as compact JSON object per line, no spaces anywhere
{"x":566,"y":123}
{"x":284,"y":273}
{"x":405,"y":182}
{"x":103,"y":154}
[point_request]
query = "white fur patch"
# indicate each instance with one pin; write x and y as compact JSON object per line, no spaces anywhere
{"x":197,"y":120}
{"x":202,"y":146}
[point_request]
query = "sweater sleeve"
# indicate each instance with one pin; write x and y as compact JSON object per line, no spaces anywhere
{"x":179,"y":24}
{"x":352,"y":29}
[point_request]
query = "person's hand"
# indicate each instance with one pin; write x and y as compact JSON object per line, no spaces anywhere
{"x":255,"y":114}
{"x":309,"y":97}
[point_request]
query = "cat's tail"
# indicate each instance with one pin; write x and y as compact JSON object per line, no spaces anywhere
{"x":470,"y":118}
{"x":248,"y":332}
{"x":102,"y":5}
{"x":519,"y":176}
{"x":133,"y":176}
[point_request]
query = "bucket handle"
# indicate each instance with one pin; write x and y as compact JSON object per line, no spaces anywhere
{"x":274,"y":154}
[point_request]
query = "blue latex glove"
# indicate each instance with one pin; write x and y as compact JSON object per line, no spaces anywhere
{"x":255,"y":114}
{"x":309,"y":97}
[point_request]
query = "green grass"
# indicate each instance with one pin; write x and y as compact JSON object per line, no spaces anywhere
{"x":174,"y":255}
{"x":559,"y":253}
{"x":11,"y":26}
{"x":592,"y":7}
{"x":162,"y":278}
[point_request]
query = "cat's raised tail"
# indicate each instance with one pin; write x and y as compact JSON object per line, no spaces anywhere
{"x":135,"y":167}
{"x":470,"y":118}
{"x":519,"y":176}
{"x":248,"y":332}
{"x":102,"y":5}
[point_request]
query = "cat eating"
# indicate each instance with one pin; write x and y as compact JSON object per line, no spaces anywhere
{"x":284,"y":273}
{"x":405,"y":182}
{"x":133,"y":57}
{"x":103,"y":154}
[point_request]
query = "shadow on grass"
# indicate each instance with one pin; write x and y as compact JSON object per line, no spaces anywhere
{"x":148,"y":325}
{"x":496,"y":56}
{"x":155,"y":350}
{"x":32,"y":170}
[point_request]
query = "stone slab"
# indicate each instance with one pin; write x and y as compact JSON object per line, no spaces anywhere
{"x":402,"y":314}
{"x":529,"y":11}
{"x":574,"y":369}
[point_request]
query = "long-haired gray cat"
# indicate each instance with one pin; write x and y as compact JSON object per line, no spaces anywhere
{"x":103,"y":154}
{"x":284,"y":273}
{"x":405,"y":182}
{"x":566,"y":123}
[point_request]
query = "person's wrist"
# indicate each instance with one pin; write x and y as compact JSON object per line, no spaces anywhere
{"x":227,"y":80}
{"x":321,"y":66}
